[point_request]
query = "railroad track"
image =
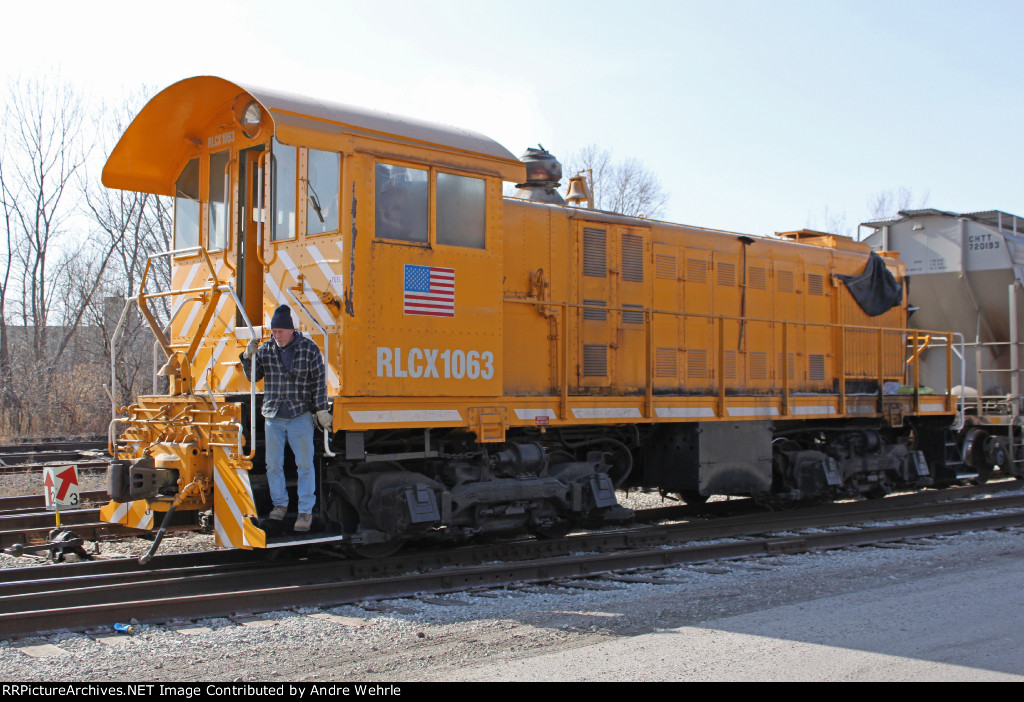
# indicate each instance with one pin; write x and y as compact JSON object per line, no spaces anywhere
{"x":211,"y":584}
{"x":87,"y":455}
{"x":24,"y":520}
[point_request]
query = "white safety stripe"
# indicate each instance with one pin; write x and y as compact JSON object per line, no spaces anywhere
{"x":222,"y":536}
{"x":333,"y":386}
{"x":145,"y":521}
{"x":276,"y":291}
{"x":217,"y":351}
{"x":187,"y":328}
{"x":606,"y":413}
{"x":535,"y":413}
{"x":243,"y":475}
{"x":226,"y":380}
{"x":229,"y":499}
{"x":932,"y":407}
{"x":325,"y":268}
{"x":813,"y":409}
{"x":184,"y":286}
{"x":382,"y":417}
{"x":753,"y":411}
{"x":326,"y":319}
{"x":120,"y":513}
{"x":673,"y":412}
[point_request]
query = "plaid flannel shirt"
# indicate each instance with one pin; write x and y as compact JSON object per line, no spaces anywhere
{"x":302,"y":388}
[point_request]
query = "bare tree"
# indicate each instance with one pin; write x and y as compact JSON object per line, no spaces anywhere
{"x":626,"y":187}
{"x":831,"y":221}
{"x":54,"y":269}
{"x":886,"y":204}
{"x":42,"y":155}
{"x":135,"y":226}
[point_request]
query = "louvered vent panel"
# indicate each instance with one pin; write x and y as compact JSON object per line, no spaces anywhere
{"x":784,"y":281}
{"x":696,"y":270}
{"x":632,"y":258}
{"x":665,"y":266}
{"x":595,"y":360}
{"x":595,"y":262}
{"x":815,"y":284}
{"x":597,"y":315}
{"x":665,"y":362}
{"x":696,"y":363}
{"x":730,"y":365}
{"x":757,"y":278}
{"x":633,"y":314}
{"x":816,"y":366}
{"x":758,"y":361}
{"x":791,"y":368}
{"x":726,"y":273}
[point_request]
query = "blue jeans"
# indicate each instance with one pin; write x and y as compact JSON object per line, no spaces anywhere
{"x":298,"y":431}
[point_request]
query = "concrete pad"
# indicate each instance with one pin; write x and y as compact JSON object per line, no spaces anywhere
{"x":338,"y":619}
{"x":42,"y":651}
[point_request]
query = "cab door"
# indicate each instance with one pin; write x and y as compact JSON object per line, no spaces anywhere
{"x":251,"y":201}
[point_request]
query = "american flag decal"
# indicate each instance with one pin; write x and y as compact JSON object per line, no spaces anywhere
{"x":429,"y":290}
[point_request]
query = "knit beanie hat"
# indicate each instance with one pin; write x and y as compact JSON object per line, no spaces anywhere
{"x":282,"y":318}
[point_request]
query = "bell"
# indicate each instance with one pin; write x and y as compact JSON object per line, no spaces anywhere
{"x":578,"y":191}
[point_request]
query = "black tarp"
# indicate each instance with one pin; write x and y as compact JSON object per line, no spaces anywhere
{"x":875,"y":290}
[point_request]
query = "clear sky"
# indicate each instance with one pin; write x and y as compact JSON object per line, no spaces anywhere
{"x":756,"y":115}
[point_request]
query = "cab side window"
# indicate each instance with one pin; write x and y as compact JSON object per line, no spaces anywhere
{"x":401,"y":197}
{"x":283,"y":185}
{"x":186,"y":206}
{"x":217,"y":224}
{"x":322,"y":192}
{"x":460,"y":211}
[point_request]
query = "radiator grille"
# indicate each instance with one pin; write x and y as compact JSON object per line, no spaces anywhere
{"x":726,"y":273}
{"x":784,"y":281}
{"x":632,"y":258}
{"x":730,"y":365}
{"x":816,"y":366}
{"x":696,"y":270}
{"x":665,"y":266}
{"x":633,"y":314}
{"x":597,"y":315}
{"x":595,"y":261}
{"x":758,"y":365}
{"x":790,"y":367}
{"x":666,"y":362}
{"x":595,"y":360}
{"x":697,"y":363}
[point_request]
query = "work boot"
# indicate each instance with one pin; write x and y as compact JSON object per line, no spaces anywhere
{"x":277,"y":514}
{"x":304,"y":522}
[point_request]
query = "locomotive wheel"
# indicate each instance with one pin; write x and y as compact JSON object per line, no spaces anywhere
{"x":692,"y":497}
{"x":974,"y":454}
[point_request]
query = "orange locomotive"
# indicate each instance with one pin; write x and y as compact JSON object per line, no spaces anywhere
{"x":494,"y":363}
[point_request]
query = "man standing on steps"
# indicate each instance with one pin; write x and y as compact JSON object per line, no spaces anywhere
{"x":294,"y":392}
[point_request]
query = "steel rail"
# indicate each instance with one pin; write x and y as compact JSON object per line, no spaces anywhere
{"x":204,"y":591}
